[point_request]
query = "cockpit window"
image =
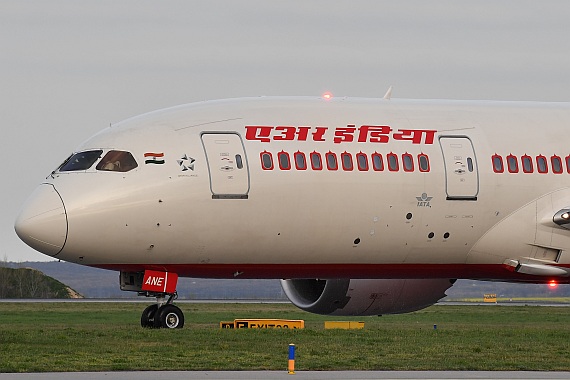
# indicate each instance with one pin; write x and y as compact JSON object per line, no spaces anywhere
{"x":80,"y":161}
{"x":117,"y":161}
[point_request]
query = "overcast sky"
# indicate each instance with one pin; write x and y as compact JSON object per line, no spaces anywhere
{"x":69,"y":68}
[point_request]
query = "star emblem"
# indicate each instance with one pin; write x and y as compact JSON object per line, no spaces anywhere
{"x":186,"y":163}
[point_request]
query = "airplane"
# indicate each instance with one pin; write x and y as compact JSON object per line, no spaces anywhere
{"x":359,"y":206}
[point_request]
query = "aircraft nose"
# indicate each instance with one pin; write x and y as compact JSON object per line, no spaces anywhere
{"x":42,"y":223}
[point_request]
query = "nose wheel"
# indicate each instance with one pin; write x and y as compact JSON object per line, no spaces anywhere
{"x":162,"y":315}
{"x":147,"y":317}
{"x":169,"y":317}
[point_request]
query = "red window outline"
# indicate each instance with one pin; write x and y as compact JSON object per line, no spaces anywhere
{"x":316,"y":154}
{"x":333,"y":155}
{"x":512,"y":158}
{"x":286,"y":155}
{"x":350,"y":166}
{"x":528,"y":159}
{"x":300,"y":154}
{"x":420,"y":156}
{"x":498,"y":166}
{"x":558,"y":159}
{"x":268,"y":154}
{"x":543,"y":159}
{"x":360,"y":167}
{"x":381,"y":161}
{"x":411,"y":161}
{"x":395,"y":156}
{"x":567,"y":159}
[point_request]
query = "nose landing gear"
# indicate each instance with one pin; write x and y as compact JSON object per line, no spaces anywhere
{"x":157,"y":284}
{"x":162,"y":314}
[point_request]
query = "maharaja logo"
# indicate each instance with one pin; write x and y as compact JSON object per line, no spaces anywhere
{"x":424,"y":200}
{"x":154,"y":158}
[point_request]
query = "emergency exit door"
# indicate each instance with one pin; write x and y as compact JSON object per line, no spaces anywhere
{"x":227,"y":164}
{"x":461,"y":173}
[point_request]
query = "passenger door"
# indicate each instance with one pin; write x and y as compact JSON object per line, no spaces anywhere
{"x":461,"y":173}
{"x":227,"y":164}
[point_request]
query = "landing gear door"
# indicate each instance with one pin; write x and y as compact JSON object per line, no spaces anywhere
{"x":461,"y":173}
{"x":227,"y":164}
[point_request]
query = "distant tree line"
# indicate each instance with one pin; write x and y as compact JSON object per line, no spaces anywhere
{"x":29,"y":283}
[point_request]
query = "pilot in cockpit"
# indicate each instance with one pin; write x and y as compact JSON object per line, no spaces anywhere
{"x":117,"y":161}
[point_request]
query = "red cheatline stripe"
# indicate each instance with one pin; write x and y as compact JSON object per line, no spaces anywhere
{"x":340,"y":270}
{"x":154,"y":154}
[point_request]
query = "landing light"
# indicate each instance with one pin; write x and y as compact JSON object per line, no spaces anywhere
{"x":328,"y":96}
{"x":562,"y":218}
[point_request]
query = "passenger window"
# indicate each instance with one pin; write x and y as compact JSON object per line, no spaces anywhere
{"x":362,"y":161}
{"x":567,"y":159}
{"x":377,"y":162}
{"x":346,"y":161}
{"x":424,"y":163}
{"x":331,"y":161}
{"x":300,"y":161}
{"x":556,"y":164}
{"x":527,"y":164}
{"x":81,"y":161}
{"x":393,"y":162}
{"x":512,"y":164}
{"x":117,"y":161}
{"x":266,"y":161}
{"x":498,"y":164}
{"x":284,"y":161}
{"x":408,"y":162}
{"x":541,"y":164}
{"x":316,"y":161}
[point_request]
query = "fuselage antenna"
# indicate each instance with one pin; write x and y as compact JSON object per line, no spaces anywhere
{"x":388,"y":94}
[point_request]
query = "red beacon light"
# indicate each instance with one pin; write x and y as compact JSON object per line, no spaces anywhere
{"x":553,"y":284}
{"x":327,"y":96}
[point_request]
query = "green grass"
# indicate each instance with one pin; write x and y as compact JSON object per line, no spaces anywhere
{"x":41,"y":337}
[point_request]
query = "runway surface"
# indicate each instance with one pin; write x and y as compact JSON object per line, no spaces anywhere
{"x":301,"y":375}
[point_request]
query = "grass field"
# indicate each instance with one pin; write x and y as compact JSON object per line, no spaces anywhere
{"x":40,"y":337}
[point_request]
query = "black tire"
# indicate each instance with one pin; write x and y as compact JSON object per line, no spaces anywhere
{"x":148,"y":315}
{"x":169,"y":317}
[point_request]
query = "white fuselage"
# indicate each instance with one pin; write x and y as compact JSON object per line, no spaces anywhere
{"x":207,"y":204}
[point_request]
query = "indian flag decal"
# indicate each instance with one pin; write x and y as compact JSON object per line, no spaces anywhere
{"x":154,"y":158}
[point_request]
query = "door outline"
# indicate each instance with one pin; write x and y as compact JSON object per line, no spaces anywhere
{"x":450,"y":163}
{"x":215,"y":182}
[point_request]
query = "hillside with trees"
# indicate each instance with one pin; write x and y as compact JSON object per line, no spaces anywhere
{"x":31,"y":283}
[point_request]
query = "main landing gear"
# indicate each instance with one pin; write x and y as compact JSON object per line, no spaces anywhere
{"x":163,"y":314}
